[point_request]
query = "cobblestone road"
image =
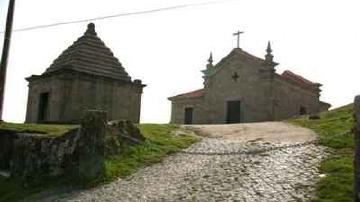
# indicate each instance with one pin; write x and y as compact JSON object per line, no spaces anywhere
{"x":220,"y":169}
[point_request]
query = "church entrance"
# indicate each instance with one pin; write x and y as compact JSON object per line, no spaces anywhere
{"x":302,"y":110}
{"x":43,"y":107}
{"x":189,"y":115}
{"x":233,"y":111}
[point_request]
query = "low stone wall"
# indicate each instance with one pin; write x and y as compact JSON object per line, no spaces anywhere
{"x":6,"y":145}
{"x":80,"y":153}
{"x":34,"y":156}
{"x":28,"y":155}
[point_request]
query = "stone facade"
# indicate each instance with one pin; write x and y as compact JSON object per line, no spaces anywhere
{"x":85,"y":76}
{"x":245,"y":88}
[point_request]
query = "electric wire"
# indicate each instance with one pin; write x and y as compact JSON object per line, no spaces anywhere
{"x":182,"y":6}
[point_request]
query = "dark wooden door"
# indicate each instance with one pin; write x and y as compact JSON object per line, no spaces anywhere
{"x":302,"y":110}
{"x":233,"y":112}
{"x":189,"y":115}
{"x":43,"y":107}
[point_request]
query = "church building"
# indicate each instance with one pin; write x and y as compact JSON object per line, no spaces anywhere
{"x":86,"y":76}
{"x":243,"y":88}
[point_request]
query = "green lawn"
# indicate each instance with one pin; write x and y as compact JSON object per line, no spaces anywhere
{"x":159,"y":143}
{"x":48,"y":129}
{"x":334,"y":131}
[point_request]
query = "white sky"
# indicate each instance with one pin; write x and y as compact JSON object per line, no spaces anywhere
{"x":318,"y":39}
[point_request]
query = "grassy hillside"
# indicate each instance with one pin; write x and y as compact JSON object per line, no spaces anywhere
{"x":160,"y":141}
{"x":334,"y":129}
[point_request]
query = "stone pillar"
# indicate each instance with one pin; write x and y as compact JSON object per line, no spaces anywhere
{"x":356,"y":160}
{"x":91,"y":148}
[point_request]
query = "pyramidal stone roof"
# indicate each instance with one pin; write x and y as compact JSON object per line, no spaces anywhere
{"x":88,"y":54}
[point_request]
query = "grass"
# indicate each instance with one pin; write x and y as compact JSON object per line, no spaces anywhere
{"x":48,"y":129}
{"x":334,"y":130}
{"x":12,"y":190}
{"x":9,"y":189}
{"x":159,"y":143}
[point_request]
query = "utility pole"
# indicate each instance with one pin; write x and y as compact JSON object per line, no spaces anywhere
{"x":5,"y":53}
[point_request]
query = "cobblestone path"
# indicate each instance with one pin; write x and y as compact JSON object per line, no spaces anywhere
{"x":221,"y":169}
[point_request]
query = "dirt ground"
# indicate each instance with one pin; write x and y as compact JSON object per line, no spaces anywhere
{"x":275,"y":132}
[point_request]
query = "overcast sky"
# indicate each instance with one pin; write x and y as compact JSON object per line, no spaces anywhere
{"x":318,"y":39}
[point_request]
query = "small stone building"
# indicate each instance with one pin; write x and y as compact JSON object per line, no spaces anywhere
{"x":85,"y":76}
{"x":245,"y":88}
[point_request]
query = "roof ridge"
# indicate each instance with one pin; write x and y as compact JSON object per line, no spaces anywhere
{"x":191,"y":94}
{"x":249,"y":55}
{"x":234,"y":51}
{"x":290,"y":74}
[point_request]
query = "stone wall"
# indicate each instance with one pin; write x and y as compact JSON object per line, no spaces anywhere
{"x":6,"y":145}
{"x":178,"y":110}
{"x":252,"y":90}
{"x":34,"y":156}
{"x":289,"y":98}
{"x":70,"y":93}
{"x":53,"y":86}
{"x":79,"y":153}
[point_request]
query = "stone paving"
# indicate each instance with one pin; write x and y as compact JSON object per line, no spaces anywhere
{"x":218,"y":169}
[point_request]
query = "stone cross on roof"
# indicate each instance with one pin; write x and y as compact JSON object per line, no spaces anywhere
{"x":238,"y":37}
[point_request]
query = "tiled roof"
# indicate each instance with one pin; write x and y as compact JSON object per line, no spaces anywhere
{"x":90,"y":55}
{"x":192,"y":94}
{"x":292,"y":76}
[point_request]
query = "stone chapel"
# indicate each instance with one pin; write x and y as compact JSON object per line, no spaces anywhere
{"x":85,"y":76}
{"x":244,"y":88}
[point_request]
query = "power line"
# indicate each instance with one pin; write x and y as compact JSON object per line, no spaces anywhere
{"x":119,"y":15}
